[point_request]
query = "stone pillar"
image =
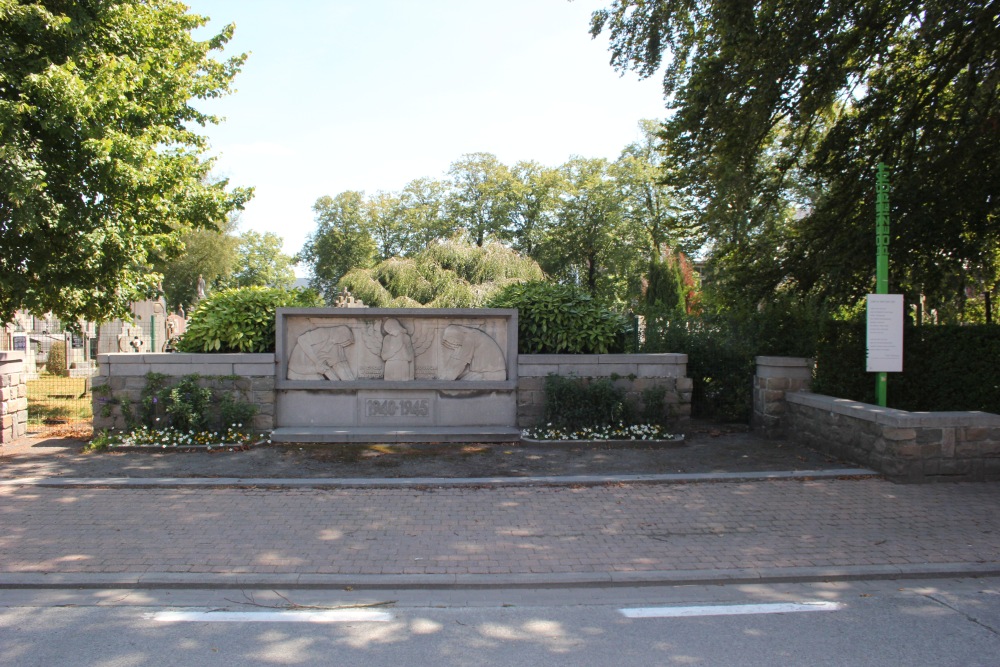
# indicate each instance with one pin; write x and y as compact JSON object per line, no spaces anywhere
{"x":13,"y":396}
{"x":775,"y":377}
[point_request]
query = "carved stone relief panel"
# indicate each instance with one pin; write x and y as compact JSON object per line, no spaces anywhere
{"x":396,"y":349}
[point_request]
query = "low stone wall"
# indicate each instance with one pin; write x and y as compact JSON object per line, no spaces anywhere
{"x":13,"y":396}
{"x":632,"y":372}
{"x":904,"y":446}
{"x":122,"y":377}
{"x":253,"y":375}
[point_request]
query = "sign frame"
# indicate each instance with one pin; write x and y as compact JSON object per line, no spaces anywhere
{"x":884,"y":350}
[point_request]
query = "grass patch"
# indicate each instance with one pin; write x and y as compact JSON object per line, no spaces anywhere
{"x":54,"y":399}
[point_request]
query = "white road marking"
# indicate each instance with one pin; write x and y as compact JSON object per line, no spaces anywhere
{"x":282,"y":616}
{"x":729,"y":610}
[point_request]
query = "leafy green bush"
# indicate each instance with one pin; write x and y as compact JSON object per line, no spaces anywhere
{"x":946,"y":367}
{"x":188,"y":404}
{"x":56,"y":364}
{"x":720,"y":363}
{"x":235,"y":414}
{"x":653,"y":405}
{"x":241,"y":319}
{"x":573,"y":403}
{"x":722,"y":349}
{"x":560,"y":319}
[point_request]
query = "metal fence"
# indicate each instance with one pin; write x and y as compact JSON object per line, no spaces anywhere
{"x":59,"y":363}
{"x":59,"y":366}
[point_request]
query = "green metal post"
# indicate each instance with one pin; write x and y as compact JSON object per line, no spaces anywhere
{"x":881,"y":256}
{"x":152,"y":333}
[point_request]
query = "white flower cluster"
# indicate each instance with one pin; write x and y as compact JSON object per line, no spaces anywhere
{"x":170,"y":437}
{"x":607,"y":432}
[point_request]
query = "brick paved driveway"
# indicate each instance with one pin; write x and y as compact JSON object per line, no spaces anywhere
{"x":499,"y":531}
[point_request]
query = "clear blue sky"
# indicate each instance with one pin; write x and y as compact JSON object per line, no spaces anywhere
{"x":370,"y":94}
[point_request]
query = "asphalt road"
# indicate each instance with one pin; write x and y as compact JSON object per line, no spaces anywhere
{"x":930,"y":622}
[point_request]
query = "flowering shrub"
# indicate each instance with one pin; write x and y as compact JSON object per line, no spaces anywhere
{"x":171,"y":438}
{"x":606,"y":432}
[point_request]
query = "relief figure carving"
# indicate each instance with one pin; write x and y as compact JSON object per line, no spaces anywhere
{"x":471,"y":354}
{"x":397,"y":351}
{"x":398,"y":345}
{"x":321,"y":353}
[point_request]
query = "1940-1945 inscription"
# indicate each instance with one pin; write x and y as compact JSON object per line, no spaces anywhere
{"x":392,"y":407}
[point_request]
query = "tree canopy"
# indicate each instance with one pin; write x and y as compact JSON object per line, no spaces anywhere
{"x":590,"y":222}
{"x":209,"y":253}
{"x":446,"y":274}
{"x":100,"y":158}
{"x":778,"y":113}
{"x":260,"y":262}
{"x":341,"y":242}
{"x":224,"y":259}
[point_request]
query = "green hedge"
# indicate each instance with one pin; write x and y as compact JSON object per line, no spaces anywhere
{"x":573,"y":403}
{"x":241,"y":319}
{"x":946,"y":367}
{"x":561,"y":319}
{"x":722,"y":351}
{"x":720,"y":363}
{"x":56,"y":364}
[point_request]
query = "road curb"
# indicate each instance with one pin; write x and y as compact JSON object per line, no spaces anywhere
{"x":169,"y":580}
{"x":407,"y":482}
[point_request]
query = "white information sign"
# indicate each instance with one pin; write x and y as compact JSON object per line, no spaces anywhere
{"x":885,"y":333}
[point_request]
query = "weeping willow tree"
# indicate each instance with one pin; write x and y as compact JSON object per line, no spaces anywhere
{"x":446,"y":274}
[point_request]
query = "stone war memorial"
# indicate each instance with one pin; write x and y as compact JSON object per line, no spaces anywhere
{"x":395,"y":375}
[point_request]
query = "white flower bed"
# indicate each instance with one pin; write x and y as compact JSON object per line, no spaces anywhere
{"x":615,"y":432}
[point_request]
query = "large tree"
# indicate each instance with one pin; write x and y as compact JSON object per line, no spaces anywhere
{"x":591,"y":243}
{"x":385,"y":220}
{"x":424,"y":213}
{"x":648,"y":203}
{"x":100,"y":158}
{"x":260,"y":262}
{"x":536,"y":196}
{"x":206,"y":253}
{"x":482,"y":196}
{"x":340,"y":243}
{"x":782,"y":105}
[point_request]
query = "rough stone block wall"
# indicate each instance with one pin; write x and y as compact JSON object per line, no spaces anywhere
{"x":634,"y":373}
{"x":13,"y":397}
{"x":777,"y":376}
{"x":122,"y":377}
{"x":905,"y":446}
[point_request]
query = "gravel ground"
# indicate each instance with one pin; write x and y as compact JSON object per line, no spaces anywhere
{"x":707,"y":447}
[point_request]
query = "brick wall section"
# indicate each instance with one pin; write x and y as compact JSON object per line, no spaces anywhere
{"x":250,"y":375}
{"x":775,"y":377}
{"x":13,"y":396}
{"x":632,"y":372}
{"x":905,"y":446}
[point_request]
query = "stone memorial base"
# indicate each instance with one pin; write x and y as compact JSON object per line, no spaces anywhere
{"x":396,"y":375}
{"x":372,"y":435}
